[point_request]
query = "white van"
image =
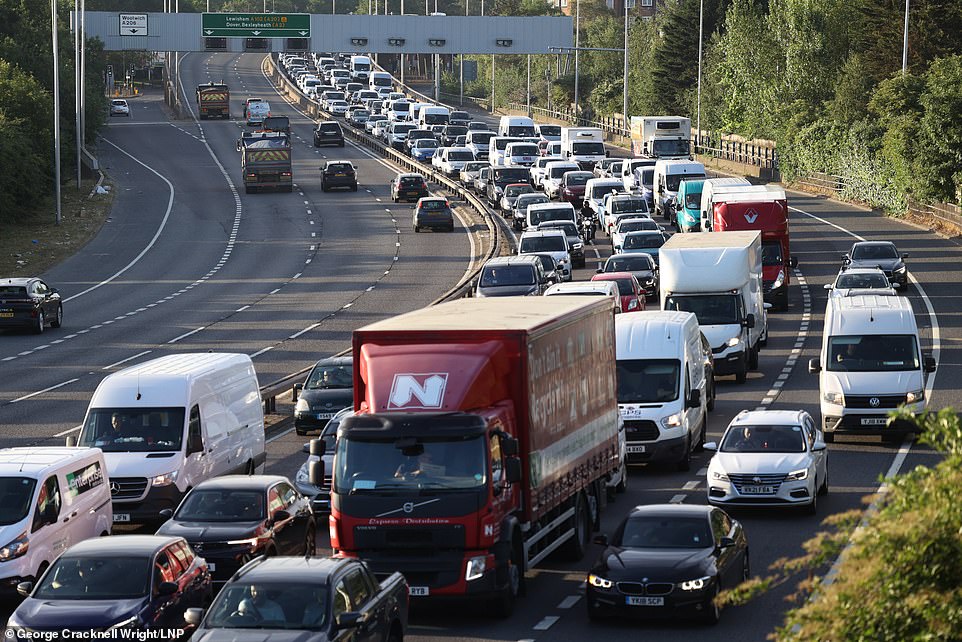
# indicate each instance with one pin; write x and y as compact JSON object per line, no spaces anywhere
{"x":871,"y":362}
{"x":479,"y":143}
{"x":433,"y":115}
{"x":517,"y":127}
{"x":668,"y":174}
{"x":708,"y":189}
{"x":588,"y":288}
{"x":662,"y":389}
{"x":360,"y":68}
{"x":381,"y":79}
{"x":497,"y":146}
{"x":543,"y":212}
{"x":521,"y":154}
{"x":51,"y":498}
{"x":170,"y":423}
{"x":628,"y":167}
{"x":415,"y":115}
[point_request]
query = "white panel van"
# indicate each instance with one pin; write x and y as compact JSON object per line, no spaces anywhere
{"x":50,"y":499}
{"x":168,"y":424}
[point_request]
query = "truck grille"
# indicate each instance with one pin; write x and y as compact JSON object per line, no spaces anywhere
{"x":882,"y":401}
{"x":127,"y":488}
{"x":637,"y":588}
{"x":409,"y":537}
{"x":638,"y":430}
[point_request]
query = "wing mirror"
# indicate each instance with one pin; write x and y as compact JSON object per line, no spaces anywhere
{"x":317,"y":447}
{"x":295,"y":391}
{"x":25,"y":588}
{"x":814,"y":367}
{"x":905,"y":256}
{"x":711,"y":445}
{"x":749,"y":321}
{"x":167,"y":513}
{"x":929,"y":363}
{"x":845,"y":259}
{"x":280,"y":516}
{"x":349,"y":620}
{"x":315,"y":473}
{"x":601,"y":540}
{"x":70,"y":442}
{"x":725,"y":542}
{"x":193,"y":616}
{"x":512,"y":470}
{"x":694,"y":399}
{"x":827,"y":286}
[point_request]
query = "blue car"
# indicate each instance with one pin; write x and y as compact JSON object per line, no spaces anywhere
{"x":423,"y":149}
{"x":132,"y":582}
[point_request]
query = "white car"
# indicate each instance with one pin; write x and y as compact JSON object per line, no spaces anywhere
{"x":321,"y":501}
{"x":635,"y":224}
{"x":471,"y":170}
{"x":595,"y":191}
{"x":374,"y":121}
{"x":769,"y":458}
{"x":855,"y":281}
{"x":453,"y":159}
{"x":537,"y":170}
{"x":119,"y":107}
{"x":615,"y":205}
{"x":553,"y":173}
{"x":337,"y":107}
{"x":553,"y":242}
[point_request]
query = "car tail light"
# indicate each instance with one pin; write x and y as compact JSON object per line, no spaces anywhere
{"x":252,"y":176}
{"x":286,"y":174}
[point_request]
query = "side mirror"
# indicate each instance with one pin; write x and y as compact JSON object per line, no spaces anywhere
{"x":725,"y":542}
{"x":167,"y":513}
{"x":349,"y":620}
{"x":819,"y":446}
{"x":280,"y":516}
{"x":512,"y":470}
{"x":601,"y":539}
{"x":25,"y":588}
{"x":509,"y":446}
{"x":237,"y":147}
{"x":845,"y":259}
{"x":711,"y":445}
{"x":71,"y":441}
{"x":767,"y":306}
{"x":905,"y":256}
{"x":295,"y":391}
{"x":168,"y":588}
{"x":607,"y":153}
{"x":827,"y":286}
{"x":793,"y":262}
{"x":600,"y":270}
{"x":694,"y":399}
{"x":749,"y":321}
{"x":814,"y":367}
{"x":315,"y":473}
{"x":194,"y":616}
{"x":929,"y":363}
{"x":317,"y":447}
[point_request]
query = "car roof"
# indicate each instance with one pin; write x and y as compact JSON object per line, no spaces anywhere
{"x":552,"y":205}
{"x":862,"y":270}
{"x":768,"y":417}
{"x":332,"y":162}
{"x":425,"y":199}
{"x":635,"y":219}
{"x":242,"y":482}
{"x":284,"y":569}
{"x":19,"y":280}
{"x":857,"y":243}
{"x":120,"y":545}
{"x":517,"y":259}
{"x":410,"y":175}
{"x":538,"y":233}
{"x":643,"y":233}
{"x":629,"y":255}
{"x":668,"y":510}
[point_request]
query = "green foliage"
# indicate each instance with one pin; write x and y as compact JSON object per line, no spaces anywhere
{"x":25,"y":170}
{"x":941,"y":129}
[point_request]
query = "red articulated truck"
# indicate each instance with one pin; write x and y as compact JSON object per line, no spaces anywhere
{"x":763,"y":208}
{"x":484,"y":432}
{"x":213,"y":99}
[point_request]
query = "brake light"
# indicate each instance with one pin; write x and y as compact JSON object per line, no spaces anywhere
{"x":252,"y":176}
{"x":285,"y":173}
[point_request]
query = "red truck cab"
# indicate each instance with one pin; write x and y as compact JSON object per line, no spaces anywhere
{"x":763,"y":208}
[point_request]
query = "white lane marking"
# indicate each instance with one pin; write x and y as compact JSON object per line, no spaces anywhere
{"x":113,"y":365}
{"x":546,"y":623}
{"x":262,"y":351}
{"x":187,"y":334}
{"x":40,"y":392}
{"x":691,"y":485}
{"x":702,"y":472}
{"x":279,"y":435}
{"x":307,"y":329}
{"x":677,"y":499}
{"x":66,"y":432}
{"x":242,"y":308}
{"x":569,"y":601}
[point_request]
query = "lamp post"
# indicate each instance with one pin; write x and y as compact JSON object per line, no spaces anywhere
{"x":76,"y":74}
{"x":577,"y":49}
{"x":701,"y":31}
{"x":905,"y":41}
{"x":56,"y":104}
{"x":624,"y":109}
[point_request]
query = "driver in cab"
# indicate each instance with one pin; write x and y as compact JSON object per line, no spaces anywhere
{"x":418,"y":467}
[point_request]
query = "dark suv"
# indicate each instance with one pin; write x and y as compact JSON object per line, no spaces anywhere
{"x":328,"y":133}
{"x":338,"y":173}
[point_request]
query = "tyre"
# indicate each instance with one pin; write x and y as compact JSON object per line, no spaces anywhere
{"x":416,"y":229}
{"x":623,"y":484}
{"x":576,"y":547}
{"x":711,"y":395}
{"x":753,"y":358}
{"x":712,"y":610}
{"x":395,"y":635}
{"x":310,"y":542}
{"x":746,"y":568}
{"x":316,"y":144}
{"x":41,"y":322}
{"x":783,"y":303}
{"x":323,"y":187}
{"x":248,"y":189}
{"x":700,"y":445}
{"x":823,"y":489}
{"x":812,"y":507}
{"x":58,"y":319}
{"x":741,"y":377}
{"x":508,"y":596}
{"x":684,"y":464}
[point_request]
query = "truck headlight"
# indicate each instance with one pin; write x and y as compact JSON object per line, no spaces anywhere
{"x":671,"y":421}
{"x":599,"y":582}
{"x":475,"y":568}
{"x":577,"y":246}
{"x":779,"y":280}
{"x":302,"y":405}
{"x":836,"y":398}
{"x":797,"y":475}
{"x":914,"y":396}
{"x":166,"y":479}
{"x":695,"y":584}
{"x":16,"y":548}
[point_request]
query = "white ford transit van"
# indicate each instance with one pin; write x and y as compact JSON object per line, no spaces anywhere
{"x":168,"y":424}
{"x":50,"y":499}
{"x":662,"y":389}
{"x":871,"y":362}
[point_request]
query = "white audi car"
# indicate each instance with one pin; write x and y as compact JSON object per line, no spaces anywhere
{"x":769,"y":458}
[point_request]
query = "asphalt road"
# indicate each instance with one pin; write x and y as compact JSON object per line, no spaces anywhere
{"x":186,"y":254}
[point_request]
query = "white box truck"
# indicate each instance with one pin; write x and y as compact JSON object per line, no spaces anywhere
{"x":661,"y":136}
{"x":719,"y":277}
{"x":583,"y":145}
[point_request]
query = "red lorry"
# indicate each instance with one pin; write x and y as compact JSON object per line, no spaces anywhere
{"x":484,"y":432}
{"x":213,"y":99}
{"x":763,"y":208}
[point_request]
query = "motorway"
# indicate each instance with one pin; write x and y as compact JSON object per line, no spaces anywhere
{"x":187,"y":262}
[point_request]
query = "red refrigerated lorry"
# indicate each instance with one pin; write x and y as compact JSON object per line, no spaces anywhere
{"x":483,"y":435}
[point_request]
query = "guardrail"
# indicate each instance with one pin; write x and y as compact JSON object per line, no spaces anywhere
{"x":497,"y":228}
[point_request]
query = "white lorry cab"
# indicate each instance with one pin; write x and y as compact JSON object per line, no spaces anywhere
{"x":433,"y":115}
{"x":361,"y":69}
{"x":668,"y":174}
{"x":583,"y":145}
{"x":708,"y":189}
{"x":51,"y":498}
{"x":170,"y":423}
{"x":662,"y":389}
{"x":517,"y":127}
{"x":718,"y":276}
{"x":870,"y":363}
{"x":380,"y":79}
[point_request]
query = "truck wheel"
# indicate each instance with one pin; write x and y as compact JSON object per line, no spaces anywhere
{"x":753,"y":358}
{"x":684,"y":464}
{"x":577,"y":545}
{"x":741,"y":377}
{"x":505,"y":602}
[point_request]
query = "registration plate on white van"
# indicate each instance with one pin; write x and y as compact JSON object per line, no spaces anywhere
{"x":874,"y":421}
{"x":637,"y":449}
{"x":121,"y":517}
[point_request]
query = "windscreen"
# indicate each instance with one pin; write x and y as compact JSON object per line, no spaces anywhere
{"x":559,"y":171}
{"x":870,"y":252}
{"x":648,"y":179}
{"x":647,"y":380}
{"x":524,"y":150}
{"x":630,"y":263}
{"x":637,"y":226}
{"x":672,"y":181}
{"x":628,"y":205}
{"x":873,"y":353}
{"x":543,"y":244}
{"x":382,"y":81}
{"x":643,"y":241}
{"x":481,"y":138}
{"x":433,"y":205}
{"x":506,"y":175}
{"x":588,"y":149}
{"x":515,"y":190}
{"x":625,"y":287}
{"x":460,"y":155}
{"x":550,"y":130}
{"x":862,"y":281}
{"x":494,"y":276}
{"x":427,"y":143}
{"x":710,"y":309}
{"x":521,"y":130}
{"x":331,"y":377}
{"x":501,"y":144}
{"x":670,"y":147}
{"x":772,"y":253}
{"x":435,"y":119}
{"x":475,"y":166}
{"x":764,"y":439}
{"x":402,"y":128}
{"x":221,"y":506}
{"x":693,"y":200}
{"x":16,"y":497}
{"x":455,"y":130}
{"x":411,"y":181}
{"x":572,"y":179}
{"x":95,"y":578}
{"x":116,"y":430}
{"x":665,"y":532}
{"x":257,"y":605}
{"x":568,"y":228}
{"x":402,"y":108}
{"x":551,"y":214}
{"x":598,"y":191}
{"x":387,"y":467}
{"x":525,"y":203}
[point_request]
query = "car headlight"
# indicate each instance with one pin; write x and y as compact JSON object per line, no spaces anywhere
{"x":718,"y":475}
{"x":797,"y":475}
{"x":695,"y":584}
{"x":130,"y":623}
{"x":302,"y":405}
{"x":475,"y":568}
{"x":914,"y":396}
{"x":599,"y":582}
{"x":734,"y":341}
{"x":577,"y":246}
{"x":250,"y":541}
{"x":633,"y":304}
{"x":671,"y":421}
{"x":899,"y":270}
{"x":16,"y":548}
{"x":166,"y":479}
{"x":836,"y":398}
{"x":779,"y":280}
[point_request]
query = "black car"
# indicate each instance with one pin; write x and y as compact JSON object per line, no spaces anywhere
{"x":477,"y":126}
{"x":638,"y":263}
{"x":133,"y":582}
{"x":434,"y":213}
{"x":29,"y":303}
{"x":881,"y":254}
{"x":338,"y":174}
{"x":328,"y":388}
{"x":408,"y":187}
{"x":668,"y":560}
{"x":328,"y":133}
{"x":232,"y":519}
{"x":519,"y":275}
{"x":451,"y":132}
{"x":460,"y":118}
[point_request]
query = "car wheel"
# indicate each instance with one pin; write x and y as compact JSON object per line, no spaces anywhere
{"x":712,"y":610}
{"x":417,"y":229}
{"x":823,"y":489}
{"x":316,"y":144}
{"x":354,"y":187}
{"x":41,"y":322}
{"x":57,"y":320}
{"x":323,"y":187}
{"x":811,"y":508}
{"x":746,"y":568}
{"x":700,"y":446}
{"x":594,"y":613}
{"x":310,"y":542}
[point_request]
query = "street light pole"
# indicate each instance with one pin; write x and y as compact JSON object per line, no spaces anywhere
{"x":56,"y":104}
{"x":905,"y":41}
{"x":701,"y":31}
{"x":577,"y":49}
{"x":624,"y":109}
{"x":76,"y":80}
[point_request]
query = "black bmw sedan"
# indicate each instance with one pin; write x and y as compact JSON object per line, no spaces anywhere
{"x":230,"y":520}
{"x":668,"y":560}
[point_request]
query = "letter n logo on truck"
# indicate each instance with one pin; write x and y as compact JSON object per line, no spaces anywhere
{"x":418,"y":390}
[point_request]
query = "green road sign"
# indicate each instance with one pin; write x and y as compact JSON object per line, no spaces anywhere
{"x":256,"y":25}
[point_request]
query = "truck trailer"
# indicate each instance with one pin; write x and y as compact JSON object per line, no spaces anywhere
{"x":484,"y":433}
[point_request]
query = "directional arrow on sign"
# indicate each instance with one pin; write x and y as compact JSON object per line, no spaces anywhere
{"x":208,"y":32}
{"x":256,"y":33}
{"x":134,"y":30}
{"x":304,"y":33}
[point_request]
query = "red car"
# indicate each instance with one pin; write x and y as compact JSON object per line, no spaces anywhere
{"x":632,"y":295}
{"x":573,"y":187}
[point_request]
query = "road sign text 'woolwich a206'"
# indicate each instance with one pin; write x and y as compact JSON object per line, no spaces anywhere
{"x":256,"y":25}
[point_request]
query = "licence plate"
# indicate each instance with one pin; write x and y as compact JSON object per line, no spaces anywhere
{"x":636,"y":449}
{"x":340,"y":174}
{"x":211,"y":567}
{"x":632,"y":600}
{"x":325,"y":415}
{"x":121,"y":517}
{"x":874,"y":421}
{"x":420,"y":591}
{"x":758,"y":490}
{"x":6,"y":315}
